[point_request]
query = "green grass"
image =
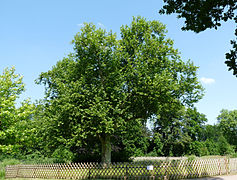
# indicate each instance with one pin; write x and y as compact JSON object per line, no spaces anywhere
{"x":4,"y":163}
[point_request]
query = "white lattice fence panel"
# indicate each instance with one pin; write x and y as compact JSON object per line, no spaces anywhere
{"x":178,"y":169}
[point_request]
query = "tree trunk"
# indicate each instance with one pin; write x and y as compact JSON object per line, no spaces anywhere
{"x":106,"y":149}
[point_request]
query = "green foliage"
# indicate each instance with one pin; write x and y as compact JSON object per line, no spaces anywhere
{"x":228,"y":125}
{"x":4,"y":163}
{"x":193,"y":123}
{"x":213,"y":147}
{"x":99,"y":99}
{"x":62,"y":154}
{"x":174,"y":132}
{"x":234,"y":155}
{"x":198,"y":149}
{"x":184,"y":133}
{"x":191,"y":157}
{"x":158,"y":145}
{"x":136,"y":140}
{"x":14,"y":132}
{"x":225,"y":147}
{"x":108,"y":84}
{"x":37,"y":157}
{"x":201,"y":15}
{"x":34,"y":158}
{"x":152,"y":154}
{"x":103,"y":95}
{"x":211,"y":132}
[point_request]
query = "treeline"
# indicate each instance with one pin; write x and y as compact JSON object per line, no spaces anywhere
{"x":190,"y":135}
{"x":28,"y":134}
{"x":100,"y":100}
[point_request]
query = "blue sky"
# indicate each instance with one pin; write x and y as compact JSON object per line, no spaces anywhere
{"x":34,"y":35}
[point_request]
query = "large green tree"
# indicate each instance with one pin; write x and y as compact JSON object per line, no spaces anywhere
{"x":200,"y":15}
{"x":107,"y":84}
{"x":14,"y":133}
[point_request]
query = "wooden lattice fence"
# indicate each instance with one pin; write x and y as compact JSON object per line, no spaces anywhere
{"x":178,"y":169}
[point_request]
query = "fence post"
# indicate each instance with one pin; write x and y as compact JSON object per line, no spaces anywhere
{"x":219,"y":166}
{"x":6,"y":171}
{"x":125,"y":177}
{"x":33,"y":174}
{"x":165,"y":175}
{"x":17,"y":170}
{"x":57,"y":171}
{"x":153,"y":173}
{"x":226,"y":165}
{"x":89,"y":176}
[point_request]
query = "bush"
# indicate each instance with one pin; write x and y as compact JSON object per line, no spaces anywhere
{"x":151,"y":154}
{"x":191,"y":157}
{"x":37,"y":157}
{"x":234,"y":155}
{"x":225,"y":147}
{"x":212,"y":147}
{"x":198,"y":148}
{"x":63,"y":155}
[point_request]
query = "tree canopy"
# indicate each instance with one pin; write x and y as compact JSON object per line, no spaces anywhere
{"x":228,"y":124}
{"x":14,"y":136}
{"x":200,"y":15}
{"x":106,"y":84}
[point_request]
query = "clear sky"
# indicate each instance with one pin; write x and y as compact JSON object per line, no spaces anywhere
{"x":35,"y":34}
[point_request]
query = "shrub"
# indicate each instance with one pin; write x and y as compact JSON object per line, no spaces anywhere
{"x":63,"y":155}
{"x":198,"y":148}
{"x":212,"y":147}
{"x":191,"y":157}
{"x":225,"y":147}
{"x":234,"y":155}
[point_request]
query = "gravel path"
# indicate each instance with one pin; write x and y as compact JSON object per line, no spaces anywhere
{"x":231,"y":177}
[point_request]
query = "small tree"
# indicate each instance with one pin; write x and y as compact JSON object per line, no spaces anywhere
{"x":14,"y":133}
{"x":107,"y":83}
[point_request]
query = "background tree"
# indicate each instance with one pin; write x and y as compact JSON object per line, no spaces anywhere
{"x":193,"y":124}
{"x":15,"y":136}
{"x":212,"y":141}
{"x":228,"y":124}
{"x":107,"y":85}
{"x":176,"y":132}
{"x":200,"y":15}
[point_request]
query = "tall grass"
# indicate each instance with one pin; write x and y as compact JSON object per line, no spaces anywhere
{"x":34,"y":158}
{"x":6,"y":162}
